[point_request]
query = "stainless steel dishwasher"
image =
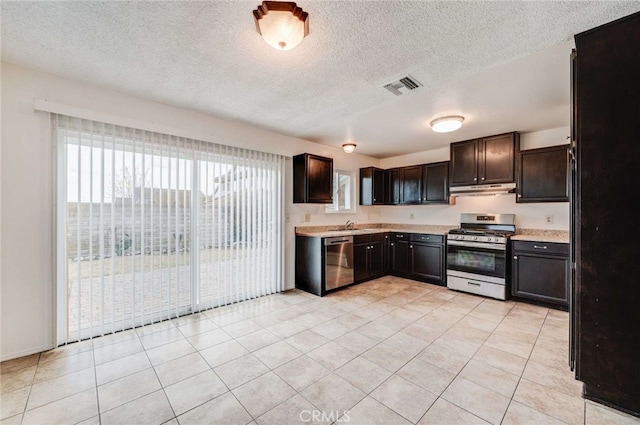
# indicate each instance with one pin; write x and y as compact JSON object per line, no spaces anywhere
{"x":338,"y":262}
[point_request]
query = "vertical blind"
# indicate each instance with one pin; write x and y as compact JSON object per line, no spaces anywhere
{"x":153,"y":226}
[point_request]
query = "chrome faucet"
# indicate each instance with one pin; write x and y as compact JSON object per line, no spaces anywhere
{"x":349,"y":225}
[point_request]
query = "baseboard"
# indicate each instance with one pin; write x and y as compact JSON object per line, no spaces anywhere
{"x":27,"y":352}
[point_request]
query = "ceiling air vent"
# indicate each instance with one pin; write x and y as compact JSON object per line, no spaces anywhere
{"x":403,"y":84}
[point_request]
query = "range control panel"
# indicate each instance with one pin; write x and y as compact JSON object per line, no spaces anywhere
{"x":477,"y":238}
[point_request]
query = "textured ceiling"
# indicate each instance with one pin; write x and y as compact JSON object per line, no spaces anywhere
{"x":504,"y":65}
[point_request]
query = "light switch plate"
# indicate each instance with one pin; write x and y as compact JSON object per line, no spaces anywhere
{"x":307,"y":218}
{"x":548,"y":219}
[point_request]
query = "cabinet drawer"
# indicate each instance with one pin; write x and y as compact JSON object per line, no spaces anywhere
{"x":395,"y":236}
{"x":372,"y":237}
{"x":551,"y":248}
{"x":427,"y":238}
{"x":375,"y":237}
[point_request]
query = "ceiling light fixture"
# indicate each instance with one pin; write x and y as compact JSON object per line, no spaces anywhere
{"x":446,"y":124}
{"x":349,"y":147}
{"x":282,"y":24}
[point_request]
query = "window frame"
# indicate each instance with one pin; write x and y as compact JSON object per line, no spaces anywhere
{"x":334,"y":208}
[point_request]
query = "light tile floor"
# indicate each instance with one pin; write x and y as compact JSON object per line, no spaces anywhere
{"x":389,"y":351}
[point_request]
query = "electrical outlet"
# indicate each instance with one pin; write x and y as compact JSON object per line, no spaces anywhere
{"x":307,"y":218}
{"x":548,"y":219}
{"x":412,"y":216}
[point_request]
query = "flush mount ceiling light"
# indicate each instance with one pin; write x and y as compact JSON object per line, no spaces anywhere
{"x":446,"y":124}
{"x":282,"y":24}
{"x":349,"y":147}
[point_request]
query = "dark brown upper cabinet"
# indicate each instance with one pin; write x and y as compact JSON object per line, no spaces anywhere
{"x":392,"y":186}
{"x":411,"y":184}
{"x":543,"y":175}
{"x":415,"y":184}
{"x":312,"y":179}
{"x":372,"y":186}
{"x":435,"y":183}
{"x":484,"y":161}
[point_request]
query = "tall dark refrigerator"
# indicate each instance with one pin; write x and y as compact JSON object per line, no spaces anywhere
{"x":605,"y":307}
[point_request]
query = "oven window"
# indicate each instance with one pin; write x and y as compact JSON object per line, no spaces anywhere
{"x":476,"y":260}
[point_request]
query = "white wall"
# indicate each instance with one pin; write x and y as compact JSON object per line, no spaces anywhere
{"x":527,"y":215}
{"x":27,"y":244}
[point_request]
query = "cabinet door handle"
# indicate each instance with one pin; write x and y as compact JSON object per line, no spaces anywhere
{"x":475,"y":179}
{"x":515,"y":257}
{"x":425,"y":238}
{"x":391,"y":243}
{"x":411,"y":246}
{"x":483,"y":178}
{"x":374,"y":199}
{"x":540,"y":246}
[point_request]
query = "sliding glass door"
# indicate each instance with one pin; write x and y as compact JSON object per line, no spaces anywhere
{"x":138,"y":244}
{"x":239,"y":217}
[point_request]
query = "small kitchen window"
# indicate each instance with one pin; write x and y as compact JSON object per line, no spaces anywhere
{"x":344,"y":192}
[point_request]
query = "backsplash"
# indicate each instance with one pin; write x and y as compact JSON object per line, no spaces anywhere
{"x":531,"y":216}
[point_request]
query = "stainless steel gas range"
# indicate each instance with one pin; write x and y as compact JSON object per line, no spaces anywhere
{"x":478,"y":254}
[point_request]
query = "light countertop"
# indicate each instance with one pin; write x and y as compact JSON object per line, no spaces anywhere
{"x":540,"y":235}
{"x":364,"y":229}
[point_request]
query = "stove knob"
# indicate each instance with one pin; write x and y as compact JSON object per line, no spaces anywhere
{"x":475,"y":238}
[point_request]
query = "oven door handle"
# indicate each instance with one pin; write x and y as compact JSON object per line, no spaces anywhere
{"x":491,"y":246}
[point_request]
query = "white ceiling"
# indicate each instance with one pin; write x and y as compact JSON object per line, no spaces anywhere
{"x":502,"y":65}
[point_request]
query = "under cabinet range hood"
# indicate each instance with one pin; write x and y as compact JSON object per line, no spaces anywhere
{"x":483,"y":189}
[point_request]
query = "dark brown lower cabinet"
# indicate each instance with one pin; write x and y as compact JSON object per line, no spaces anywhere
{"x":399,"y":254}
{"x":540,"y":272}
{"x":369,"y":256}
{"x":427,"y":258}
{"x":418,"y":256}
{"x":414,"y":256}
